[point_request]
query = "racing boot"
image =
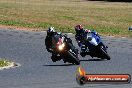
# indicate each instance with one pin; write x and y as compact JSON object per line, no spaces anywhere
{"x":55,"y":57}
{"x":64,"y":60}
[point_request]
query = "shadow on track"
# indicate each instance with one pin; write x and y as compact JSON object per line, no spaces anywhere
{"x":93,"y":60}
{"x":59,"y":65}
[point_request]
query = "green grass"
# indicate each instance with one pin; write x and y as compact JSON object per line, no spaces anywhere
{"x":108,"y":18}
{"x":3,"y":63}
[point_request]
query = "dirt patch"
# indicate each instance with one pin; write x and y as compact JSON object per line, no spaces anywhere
{"x":18,"y":28}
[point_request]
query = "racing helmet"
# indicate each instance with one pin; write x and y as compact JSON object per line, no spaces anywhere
{"x":79,"y":29}
{"x":50,"y":31}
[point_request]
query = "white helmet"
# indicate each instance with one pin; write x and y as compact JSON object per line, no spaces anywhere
{"x":50,"y":30}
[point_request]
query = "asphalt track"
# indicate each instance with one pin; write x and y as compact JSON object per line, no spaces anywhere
{"x":38,"y":71}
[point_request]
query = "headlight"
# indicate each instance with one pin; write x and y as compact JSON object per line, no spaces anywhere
{"x":60,"y":47}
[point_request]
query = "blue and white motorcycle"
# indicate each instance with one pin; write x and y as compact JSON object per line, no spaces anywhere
{"x":94,"y":47}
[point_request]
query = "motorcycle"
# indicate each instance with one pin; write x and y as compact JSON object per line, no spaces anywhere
{"x":95,"y":47}
{"x":63,"y":50}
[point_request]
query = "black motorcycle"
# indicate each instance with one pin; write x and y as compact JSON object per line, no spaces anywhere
{"x":62,"y":49}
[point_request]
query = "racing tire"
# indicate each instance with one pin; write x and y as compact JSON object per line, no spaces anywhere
{"x":104,"y":54}
{"x":75,"y":60}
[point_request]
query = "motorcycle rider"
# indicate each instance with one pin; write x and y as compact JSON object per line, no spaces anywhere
{"x":49,"y":46}
{"x":80,"y":32}
{"x":48,"y":40}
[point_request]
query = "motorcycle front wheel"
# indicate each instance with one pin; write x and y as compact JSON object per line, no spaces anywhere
{"x":73,"y":58}
{"x":104,"y":54}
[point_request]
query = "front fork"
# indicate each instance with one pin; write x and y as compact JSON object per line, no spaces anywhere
{"x":104,"y":47}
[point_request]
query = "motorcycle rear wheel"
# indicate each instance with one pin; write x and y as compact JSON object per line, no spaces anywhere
{"x":104,"y":54}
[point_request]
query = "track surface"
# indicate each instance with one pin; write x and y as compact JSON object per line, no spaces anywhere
{"x":38,"y":71}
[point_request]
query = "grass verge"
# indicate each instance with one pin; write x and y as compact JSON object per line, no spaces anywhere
{"x":3,"y":63}
{"x":108,"y":18}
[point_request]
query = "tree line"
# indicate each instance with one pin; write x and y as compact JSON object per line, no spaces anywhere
{"x":113,"y":0}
